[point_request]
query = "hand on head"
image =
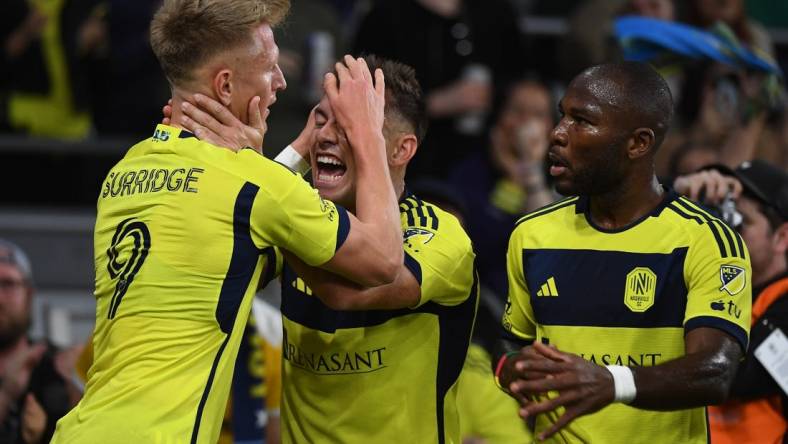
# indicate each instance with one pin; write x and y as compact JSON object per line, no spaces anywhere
{"x":358,"y":102}
{"x":212,"y":122}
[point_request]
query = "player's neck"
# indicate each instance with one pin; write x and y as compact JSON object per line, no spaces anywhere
{"x":627,"y":203}
{"x":179,"y":96}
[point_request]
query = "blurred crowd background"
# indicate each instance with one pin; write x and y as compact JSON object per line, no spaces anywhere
{"x":79,"y":84}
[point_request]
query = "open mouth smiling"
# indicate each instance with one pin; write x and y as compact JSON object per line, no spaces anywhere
{"x":330,"y":168}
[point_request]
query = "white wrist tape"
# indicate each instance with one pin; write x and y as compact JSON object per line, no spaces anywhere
{"x":290,"y":158}
{"x":624,"y":383}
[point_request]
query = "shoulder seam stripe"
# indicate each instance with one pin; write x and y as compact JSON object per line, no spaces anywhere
{"x":434,"y":217}
{"x":727,"y":230}
{"x":409,"y":215}
{"x":681,"y":213}
{"x":740,"y":242}
{"x":421,"y":215}
{"x":730,"y":233}
{"x":707,"y":222}
{"x":548,"y":209}
{"x":414,"y":209}
{"x":406,"y":205}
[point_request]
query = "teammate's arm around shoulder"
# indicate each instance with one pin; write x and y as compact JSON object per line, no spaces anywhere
{"x":372,"y":253}
{"x":338,"y":293}
{"x":438,"y":266}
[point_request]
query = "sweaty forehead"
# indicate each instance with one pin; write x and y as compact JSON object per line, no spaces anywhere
{"x":601,"y":91}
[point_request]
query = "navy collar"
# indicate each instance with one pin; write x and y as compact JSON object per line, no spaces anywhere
{"x":583,"y":206}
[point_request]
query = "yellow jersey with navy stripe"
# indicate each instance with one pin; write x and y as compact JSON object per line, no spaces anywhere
{"x":383,"y":376}
{"x":626,"y":297}
{"x":183,"y":233}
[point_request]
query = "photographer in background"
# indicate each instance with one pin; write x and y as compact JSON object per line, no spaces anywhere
{"x":754,"y":199}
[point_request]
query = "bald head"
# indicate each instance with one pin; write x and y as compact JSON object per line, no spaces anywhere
{"x":638,"y":95}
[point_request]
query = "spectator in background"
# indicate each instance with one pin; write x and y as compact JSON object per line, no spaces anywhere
{"x":34,"y":393}
{"x":722,"y":108}
{"x":508,"y":179}
{"x":588,"y":40}
{"x":706,"y":13}
{"x":755,"y":412}
{"x":690,"y":158}
{"x":40,"y":94}
{"x":464,"y":52}
{"x":21,"y":60}
{"x":122,"y":75}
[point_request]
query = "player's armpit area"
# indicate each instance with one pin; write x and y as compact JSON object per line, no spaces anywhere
{"x":338,"y":293}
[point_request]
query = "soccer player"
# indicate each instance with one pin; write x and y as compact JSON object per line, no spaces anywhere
{"x":636,"y":300}
{"x":377,"y":364}
{"x":183,"y":230}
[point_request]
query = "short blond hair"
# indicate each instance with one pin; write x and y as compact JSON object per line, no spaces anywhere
{"x":186,"y":33}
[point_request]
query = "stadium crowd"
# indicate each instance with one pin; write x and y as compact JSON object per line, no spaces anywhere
{"x":485,"y":115}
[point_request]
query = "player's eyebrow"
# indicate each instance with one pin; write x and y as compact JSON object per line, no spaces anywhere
{"x":588,"y":111}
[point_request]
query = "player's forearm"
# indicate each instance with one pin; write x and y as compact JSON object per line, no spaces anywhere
{"x":332,"y":290}
{"x":742,"y":143}
{"x":376,"y":202}
{"x":695,"y":380}
{"x":341,"y":294}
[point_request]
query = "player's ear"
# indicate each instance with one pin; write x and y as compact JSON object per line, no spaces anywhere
{"x":641,"y":143}
{"x":404,"y":149}
{"x":780,"y":239}
{"x":223,"y":86}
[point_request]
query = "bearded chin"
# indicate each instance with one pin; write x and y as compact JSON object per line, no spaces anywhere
{"x":591,"y":183}
{"x":13,"y":331}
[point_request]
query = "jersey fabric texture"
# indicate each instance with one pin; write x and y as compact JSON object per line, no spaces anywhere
{"x":626,"y":297}
{"x":486,"y":412}
{"x":183,"y":233}
{"x":383,"y":376}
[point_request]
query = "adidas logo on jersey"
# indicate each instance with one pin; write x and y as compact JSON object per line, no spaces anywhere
{"x":548,"y":288}
{"x":301,"y":286}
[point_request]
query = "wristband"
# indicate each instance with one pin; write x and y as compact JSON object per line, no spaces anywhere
{"x":290,"y":158}
{"x":499,"y":367}
{"x":623,"y":382}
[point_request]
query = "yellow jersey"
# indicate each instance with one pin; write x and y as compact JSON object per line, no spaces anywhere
{"x":626,"y":297}
{"x":184,"y":231}
{"x":383,"y":376}
{"x":487,"y":413}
